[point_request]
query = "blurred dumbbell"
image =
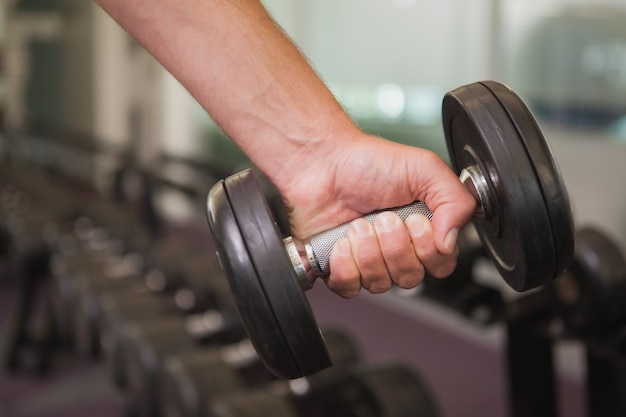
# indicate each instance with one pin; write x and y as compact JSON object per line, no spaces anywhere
{"x":391,"y":390}
{"x":163,"y":262}
{"x":188,"y":381}
{"x":99,"y":263}
{"x":88,"y":254}
{"x":463,"y":292}
{"x":118,"y":275}
{"x":203,"y":289}
{"x":591,"y":296}
{"x":117,"y":310}
{"x":147,"y":343}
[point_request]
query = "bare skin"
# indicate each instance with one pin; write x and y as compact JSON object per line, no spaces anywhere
{"x":255,"y":83}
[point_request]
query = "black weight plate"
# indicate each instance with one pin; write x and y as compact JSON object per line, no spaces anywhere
{"x":253,"y":306}
{"x":519,"y":237}
{"x":591,"y":295}
{"x":547,"y":171}
{"x":385,"y":390}
{"x":342,"y":348}
{"x":191,"y":380}
{"x":266,"y":249}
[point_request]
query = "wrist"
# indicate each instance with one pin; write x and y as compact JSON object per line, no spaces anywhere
{"x":312,"y":147}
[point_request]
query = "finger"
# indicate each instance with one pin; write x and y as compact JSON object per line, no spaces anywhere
{"x":449,"y":219}
{"x":366,"y":252}
{"x":436,"y":263}
{"x":345,"y":278}
{"x":400,"y":258}
{"x":451,"y":203}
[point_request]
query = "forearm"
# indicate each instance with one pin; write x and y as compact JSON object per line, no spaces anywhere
{"x":245,"y":72}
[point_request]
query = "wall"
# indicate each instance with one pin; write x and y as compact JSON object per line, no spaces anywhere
{"x":78,"y":67}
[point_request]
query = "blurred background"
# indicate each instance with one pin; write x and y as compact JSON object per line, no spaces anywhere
{"x":67,"y":67}
{"x":70,"y":76}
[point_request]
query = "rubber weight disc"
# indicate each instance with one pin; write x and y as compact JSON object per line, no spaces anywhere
{"x":384,"y":390}
{"x":273,"y":308}
{"x":529,"y":234}
{"x":591,"y":295}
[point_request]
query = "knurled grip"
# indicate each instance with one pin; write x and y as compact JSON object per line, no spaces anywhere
{"x":322,"y":244}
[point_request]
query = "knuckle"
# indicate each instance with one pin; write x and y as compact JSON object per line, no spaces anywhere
{"x":378,"y":286}
{"x":412,"y":280}
{"x":341,"y":281}
{"x":348,"y":294}
{"x":427,"y":252}
{"x":344,"y":286}
{"x":443,"y":270}
{"x":408,"y":282}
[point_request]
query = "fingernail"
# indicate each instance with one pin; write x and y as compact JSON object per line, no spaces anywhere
{"x":361,"y":228}
{"x":386,"y":222}
{"x":415,"y":224}
{"x":449,"y":242}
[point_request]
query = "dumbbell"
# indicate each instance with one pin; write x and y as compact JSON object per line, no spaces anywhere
{"x":591,"y":296}
{"x":191,"y":379}
{"x":82,"y":256}
{"x":116,"y":218}
{"x":387,"y":390}
{"x":523,"y":219}
{"x":202,"y":287}
{"x":123,"y":283}
{"x":62,"y":291}
{"x":147,"y":343}
{"x":163,"y":262}
{"x":118,"y":308}
{"x":123,"y":275}
{"x":462,"y":290}
{"x":95,"y":262}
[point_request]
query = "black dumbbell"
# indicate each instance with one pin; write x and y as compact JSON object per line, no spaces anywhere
{"x":201,"y":289}
{"x":591,"y":295}
{"x":62,"y":292}
{"x":121,"y":275}
{"x":116,"y":310}
{"x":523,"y":219}
{"x":148,"y":343}
{"x":463,"y":292}
{"x":163,"y":262}
{"x":206,"y":290}
{"x":86,"y":260}
{"x":98,"y":264}
{"x":389,"y":390}
{"x":190,"y":380}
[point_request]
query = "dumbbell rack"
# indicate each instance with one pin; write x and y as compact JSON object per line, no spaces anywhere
{"x":530,"y":347}
{"x":531,"y":337}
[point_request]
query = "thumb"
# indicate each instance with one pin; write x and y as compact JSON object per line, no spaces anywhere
{"x":448,"y":220}
{"x":451,"y":203}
